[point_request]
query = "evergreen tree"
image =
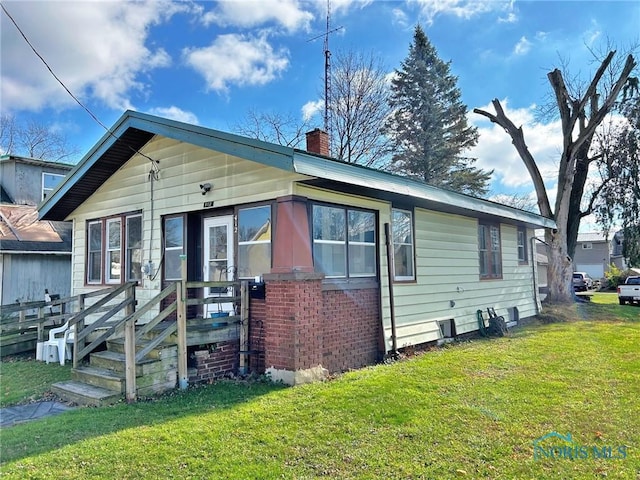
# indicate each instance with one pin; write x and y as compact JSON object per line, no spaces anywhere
{"x":428,"y":126}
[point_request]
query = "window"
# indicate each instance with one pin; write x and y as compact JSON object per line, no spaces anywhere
{"x":403,"y":253}
{"x":522,"y":245}
{"x":134,"y":247}
{"x":490,"y":252}
{"x":113,"y":261}
{"x":587,"y":246}
{"x":173,"y":247}
{"x":254,"y":241}
{"x":344,"y":242}
{"x":122,"y":239}
{"x":49,"y":182}
{"x":94,"y":257}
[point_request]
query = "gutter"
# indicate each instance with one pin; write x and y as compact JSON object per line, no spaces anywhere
{"x":34,"y":252}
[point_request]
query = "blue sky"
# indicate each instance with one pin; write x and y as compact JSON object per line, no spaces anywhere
{"x":211,"y":62}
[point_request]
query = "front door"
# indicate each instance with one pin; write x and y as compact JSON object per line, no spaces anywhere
{"x":218,"y":260}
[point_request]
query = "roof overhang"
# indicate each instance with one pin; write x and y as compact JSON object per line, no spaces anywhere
{"x":361,"y":180}
{"x":133,"y":130}
{"x":129,"y":135}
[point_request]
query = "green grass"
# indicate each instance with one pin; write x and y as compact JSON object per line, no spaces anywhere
{"x":471,"y":410}
{"x":24,"y":380}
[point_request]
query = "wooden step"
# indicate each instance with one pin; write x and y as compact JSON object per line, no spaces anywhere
{"x":100,"y":377}
{"x":84,"y":394}
{"x":202,"y":331}
{"x":165,"y":349}
{"x":115,"y":361}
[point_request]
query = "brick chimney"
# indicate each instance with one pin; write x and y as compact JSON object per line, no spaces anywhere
{"x":318,"y":142}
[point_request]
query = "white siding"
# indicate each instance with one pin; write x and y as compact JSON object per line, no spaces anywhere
{"x":448,"y":279}
{"x":447,"y":264}
{"x":447,"y":268}
{"x":182,"y":168}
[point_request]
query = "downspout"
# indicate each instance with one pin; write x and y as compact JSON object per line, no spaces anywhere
{"x":392,"y":313}
{"x":534,"y":262}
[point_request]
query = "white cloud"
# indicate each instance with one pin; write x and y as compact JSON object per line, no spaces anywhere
{"x":175,"y":113}
{"x":287,"y":13}
{"x":522,"y":47}
{"x":465,"y":9}
{"x":98,"y":49}
{"x":495,"y":150}
{"x":237,"y":59}
{"x":592,"y":34}
{"x":400,"y":18}
{"x":312,"y":108}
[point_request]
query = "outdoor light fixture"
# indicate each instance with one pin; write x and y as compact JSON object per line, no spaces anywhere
{"x":205,"y":187}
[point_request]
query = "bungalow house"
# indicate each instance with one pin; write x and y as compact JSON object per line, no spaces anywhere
{"x":34,"y":255}
{"x":350,"y":261}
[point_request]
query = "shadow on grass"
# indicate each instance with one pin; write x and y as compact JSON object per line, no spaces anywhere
{"x":51,"y":433}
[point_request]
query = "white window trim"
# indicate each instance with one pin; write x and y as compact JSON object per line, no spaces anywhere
{"x":105,"y":267}
{"x":404,"y":278}
{"x":171,"y":249}
{"x":46,"y":191}
{"x":108,"y":250}
{"x":522,"y":232}
{"x":346,"y":242}
{"x":89,"y":251}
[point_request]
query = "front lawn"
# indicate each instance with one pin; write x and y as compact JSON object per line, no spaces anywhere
{"x":23,"y":380}
{"x":471,"y":410}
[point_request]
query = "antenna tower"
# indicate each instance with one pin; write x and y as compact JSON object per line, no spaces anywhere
{"x":327,"y":73}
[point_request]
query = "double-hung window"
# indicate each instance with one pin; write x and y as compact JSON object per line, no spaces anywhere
{"x":173,"y":247}
{"x":344,"y":241}
{"x":254,"y":241}
{"x":109,"y":241}
{"x":490,"y":250}
{"x":113,"y":250}
{"x":522,"y":245}
{"x":403,"y":251}
{"x":94,"y":254}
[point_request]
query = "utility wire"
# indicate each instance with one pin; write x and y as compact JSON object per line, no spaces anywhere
{"x":153,"y":162}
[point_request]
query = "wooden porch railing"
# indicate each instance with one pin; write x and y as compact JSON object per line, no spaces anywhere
{"x":106,"y":326}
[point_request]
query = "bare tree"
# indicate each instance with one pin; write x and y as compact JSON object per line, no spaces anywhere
{"x":277,"y":128}
{"x":34,"y":140}
{"x":580,"y":113}
{"x":359,"y":107}
{"x":521,"y":201}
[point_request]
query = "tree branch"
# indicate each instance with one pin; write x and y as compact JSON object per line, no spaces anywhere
{"x":517,"y":138}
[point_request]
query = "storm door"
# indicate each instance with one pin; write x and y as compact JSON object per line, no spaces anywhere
{"x":218,"y":260}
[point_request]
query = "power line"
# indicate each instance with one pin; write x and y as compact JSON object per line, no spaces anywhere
{"x":153,"y":162}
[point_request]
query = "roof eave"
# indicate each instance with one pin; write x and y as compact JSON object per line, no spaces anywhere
{"x":332,"y":170}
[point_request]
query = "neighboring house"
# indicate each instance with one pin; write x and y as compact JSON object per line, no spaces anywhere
{"x":34,"y":255}
{"x":616,"y":251}
{"x":592,"y":254}
{"x":312,"y":228}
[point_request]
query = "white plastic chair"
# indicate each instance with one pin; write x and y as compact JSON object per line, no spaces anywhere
{"x":60,"y":338}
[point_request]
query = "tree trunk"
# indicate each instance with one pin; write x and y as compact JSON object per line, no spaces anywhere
{"x":560,"y":269}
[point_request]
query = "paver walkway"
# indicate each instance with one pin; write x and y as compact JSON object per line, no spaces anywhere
{"x":23,"y":413}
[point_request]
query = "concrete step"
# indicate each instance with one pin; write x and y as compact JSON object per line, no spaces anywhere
{"x":100,"y":377}
{"x":83,"y":394}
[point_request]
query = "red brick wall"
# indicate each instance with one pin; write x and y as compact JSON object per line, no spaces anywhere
{"x":257,"y":317}
{"x":305,"y":326}
{"x":219,"y":361}
{"x":351,"y":328}
{"x":293,"y":330}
